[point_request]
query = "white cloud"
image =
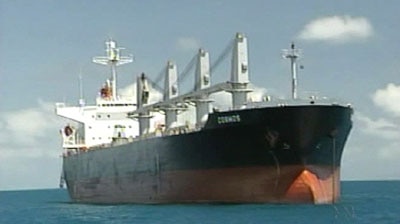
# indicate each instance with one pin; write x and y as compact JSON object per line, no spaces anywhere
{"x":129,"y":91}
{"x":358,"y":157}
{"x":388,"y":99}
{"x":30,"y":147}
{"x":372,"y":141}
{"x":223,"y":100}
{"x":188,"y":43}
{"x":257,"y":94}
{"x":27,"y":126}
{"x":380,"y":128}
{"x":337,"y":29}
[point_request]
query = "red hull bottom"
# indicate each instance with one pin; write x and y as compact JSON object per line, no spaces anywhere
{"x":288,"y":184}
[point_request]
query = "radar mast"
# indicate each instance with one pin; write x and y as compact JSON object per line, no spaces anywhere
{"x":113,"y":59}
{"x":293,"y":54}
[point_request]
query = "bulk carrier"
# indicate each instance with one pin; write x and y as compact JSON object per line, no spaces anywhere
{"x":271,"y":151}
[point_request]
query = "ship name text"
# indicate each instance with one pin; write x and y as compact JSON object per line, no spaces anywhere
{"x":228,"y":119}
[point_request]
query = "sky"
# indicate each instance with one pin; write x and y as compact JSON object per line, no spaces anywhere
{"x":350,"y":52}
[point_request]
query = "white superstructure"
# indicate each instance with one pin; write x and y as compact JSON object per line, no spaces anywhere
{"x":99,"y":124}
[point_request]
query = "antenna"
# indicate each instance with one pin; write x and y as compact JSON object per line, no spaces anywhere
{"x":81,"y":100}
{"x":113,"y":59}
{"x":293,"y":54}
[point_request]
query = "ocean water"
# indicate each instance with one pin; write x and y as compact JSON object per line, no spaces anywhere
{"x":361,"y":202}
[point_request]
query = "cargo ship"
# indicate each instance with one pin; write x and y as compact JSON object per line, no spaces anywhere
{"x":265,"y":151}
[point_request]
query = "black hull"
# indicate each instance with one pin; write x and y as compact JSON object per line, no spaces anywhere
{"x":272,"y":154}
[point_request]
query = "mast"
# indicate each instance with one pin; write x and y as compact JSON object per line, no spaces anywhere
{"x":81,"y":99}
{"x":202,"y":81}
{"x":239,"y":72}
{"x":113,"y":59}
{"x":142,"y":98}
{"x":293,"y":54}
{"x":171,"y":91}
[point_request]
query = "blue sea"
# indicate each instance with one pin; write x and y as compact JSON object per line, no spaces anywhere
{"x":361,"y":202}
